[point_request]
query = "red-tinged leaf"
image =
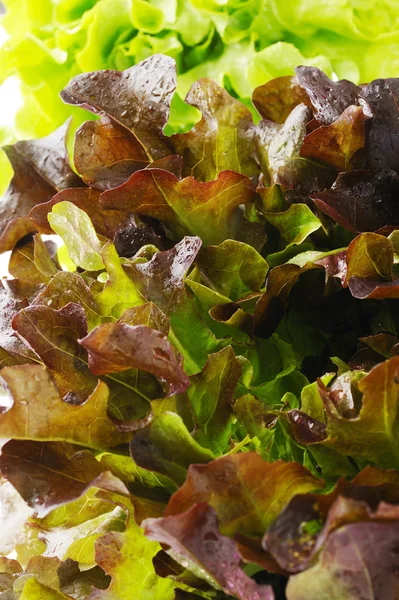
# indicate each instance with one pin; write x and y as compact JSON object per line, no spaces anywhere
{"x":144,"y":93}
{"x":380,"y":100}
{"x":79,"y":583}
{"x":106,"y":154}
{"x":281,"y":156}
{"x":129,"y":239}
{"x":194,"y":536}
{"x":358,"y":561}
{"x":106,"y":223}
{"x":384,"y":344}
{"x":66,"y":288}
{"x":49,"y":157}
{"x":27,"y":188}
{"x":300,"y":531}
{"x":247,"y":492}
{"x":336,"y":144}
{"x":12,"y":350}
{"x":361,"y":200}
{"x":270,"y":307}
{"x":147,"y":314}
{"x":173,"y":163}
{"x":33,"y":261}
{"x":22,"y":290}
{"x":48,"y":475}
{"x":305,"y":429}
{"x":329,"y":98}
{"x":38,"y":412}
{"x":211,"y":209}
{"x":334,"y":265}
{"x":41,"y":168}
{"x":114,"y":347}
{"x":365,"y":289}
{"x":161,"y":279}
{"x":53,"y":335}
{"x":278,"y":97}
{"x":234,"y":317}
{"x":222,"y":140}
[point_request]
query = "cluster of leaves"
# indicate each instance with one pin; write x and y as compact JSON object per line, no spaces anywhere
{"x":201,"y":384}
{"x":239,"y":43}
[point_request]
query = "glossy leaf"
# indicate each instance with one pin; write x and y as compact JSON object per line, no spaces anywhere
{"x":275,"y":99}
{"x":370,"y":550}
{"x":380,"y":100}
{"x":361,"y":200}
{"x":106,"y":223}
{"x":105,"y":154}
{"x":53,"y":335}
{"x":211,"y":209}
{"x":285,"y":164}
{"x":144,"y":94}
{"x":222,"y":139}
{"x":336,"y":144}
{"x":41,"y":168}
{"x":117,"y":347}
{"x":371,"y":433}
{"x":329,"y":99}
{"x":370,"y":256}
{"x":52,"y":474}
{"x":294,"y":224}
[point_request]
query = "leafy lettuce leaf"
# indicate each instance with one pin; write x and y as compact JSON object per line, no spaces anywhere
{"x":210,"y":361}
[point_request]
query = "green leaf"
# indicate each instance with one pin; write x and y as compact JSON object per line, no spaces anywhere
{"x":370,"y":256}
{"x":66,"y":288}
{"x":294,"y":224}
{"x":165,"y":446}
{"x":119,"y":293}
{"x":74,"y":226}
{"x":369,"y":431}
{"x":233,"y":269}
{"x":210,"y":395}
{"x":127,"y":558}
{"x":33,"y":590}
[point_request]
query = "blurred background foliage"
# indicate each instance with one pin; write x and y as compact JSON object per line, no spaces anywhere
{"x":239,"y":43}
